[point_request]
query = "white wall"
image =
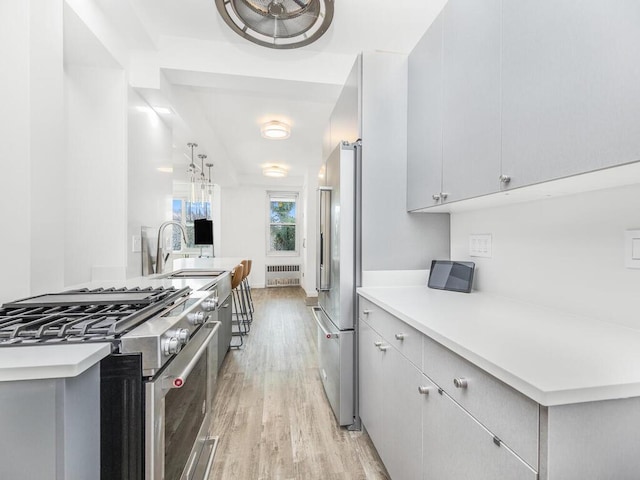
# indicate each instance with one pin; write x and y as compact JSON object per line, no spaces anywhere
{"x":32,"y":147}
{"x":309,"y":233}
{"x":96,"y":168}
{"x":149,"y":189}
{"x":243,"y":227}
{"x":566,"y":252}
{"x":392,"y":239}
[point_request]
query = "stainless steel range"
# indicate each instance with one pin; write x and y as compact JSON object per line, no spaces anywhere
{"x":157,"y":386}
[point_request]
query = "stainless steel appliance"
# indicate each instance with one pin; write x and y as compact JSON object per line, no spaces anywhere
{"x":337,"y":277}
{"x":157,"y":386}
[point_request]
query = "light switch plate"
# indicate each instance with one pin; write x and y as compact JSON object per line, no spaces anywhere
{"x":136,"y":243}
{"x":632,"y":249}
{"x":480,"y":245}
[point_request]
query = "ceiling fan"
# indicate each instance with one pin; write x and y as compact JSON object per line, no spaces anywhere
{"x":278,"y":23}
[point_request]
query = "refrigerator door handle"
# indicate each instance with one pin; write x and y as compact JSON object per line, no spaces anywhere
{"x":317,"y":312}
{"x":324,"y":240}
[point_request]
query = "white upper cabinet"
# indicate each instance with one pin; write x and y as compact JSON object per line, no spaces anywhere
{"x":571,"y":87}
{"x":471,"y":99}
{"x":531,"y":90}
{"x":424,"y":129}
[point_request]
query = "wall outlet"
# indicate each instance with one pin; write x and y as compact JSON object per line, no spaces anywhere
{"x":136,"y":243}
{"x":480,"y":245}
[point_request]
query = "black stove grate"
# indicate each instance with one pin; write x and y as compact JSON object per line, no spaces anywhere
{"x":33,"y":321}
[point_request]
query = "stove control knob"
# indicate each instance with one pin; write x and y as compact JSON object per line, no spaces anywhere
{"x":183,"y":335}
{"x":210,"y":304}
{"x":171,"y":346}
{"x":197,"y":318}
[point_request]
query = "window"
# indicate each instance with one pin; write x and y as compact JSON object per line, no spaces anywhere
{"x":283,"y":218}
{"x":189,"y":211}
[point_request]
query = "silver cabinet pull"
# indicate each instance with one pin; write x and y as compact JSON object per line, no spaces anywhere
{"x":383,"y":348}
{"x":504,"y":178}
{"x":444,"y":196}
{"x":423,"y":390}
{"x":460,"y":382}
{"x":436,"y":196}
{"x":366,"y":312}
{"x":400,"y":336}
{"x":377,"y":344}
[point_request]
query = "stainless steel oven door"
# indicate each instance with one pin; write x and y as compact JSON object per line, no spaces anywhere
{"x":179,"y":403}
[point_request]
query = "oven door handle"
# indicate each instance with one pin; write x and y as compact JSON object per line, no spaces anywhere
{"x":178,"y":380}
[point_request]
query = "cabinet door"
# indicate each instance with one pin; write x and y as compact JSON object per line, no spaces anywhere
{"x":402,"y":417}
{"x":456,"y":446}
{"x":471,"y":113}
{"x":370,"y":380}
{"x":424,"y":129}
{"x":571,"y":87}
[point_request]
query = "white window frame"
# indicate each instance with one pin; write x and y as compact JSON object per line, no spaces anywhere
{"x":279,"y":253}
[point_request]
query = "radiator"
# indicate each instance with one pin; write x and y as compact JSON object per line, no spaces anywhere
{"x":283,"y":275}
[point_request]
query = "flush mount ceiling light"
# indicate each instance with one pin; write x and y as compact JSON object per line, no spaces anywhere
{"x":275,"y":130}
{"x":278,"y":23}
{"x":274,"y":171}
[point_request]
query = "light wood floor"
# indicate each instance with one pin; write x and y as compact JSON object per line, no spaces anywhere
{"x":271,"y":412}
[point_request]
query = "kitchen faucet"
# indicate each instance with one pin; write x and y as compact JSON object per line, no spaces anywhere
{"x":160,"y":258}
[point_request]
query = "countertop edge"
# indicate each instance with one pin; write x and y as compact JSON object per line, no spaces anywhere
{"x":36,"y":370}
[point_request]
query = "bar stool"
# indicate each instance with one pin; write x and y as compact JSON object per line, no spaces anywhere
{"x":237,"y":275}
{"x":245,"y":290}
{"x":249,"y":262}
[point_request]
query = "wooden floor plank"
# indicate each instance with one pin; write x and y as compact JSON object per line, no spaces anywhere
{"x":271,"y":413}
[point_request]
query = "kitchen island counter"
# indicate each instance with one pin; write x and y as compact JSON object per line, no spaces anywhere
{"x":49,"y":361}
{"x":554,"y":358}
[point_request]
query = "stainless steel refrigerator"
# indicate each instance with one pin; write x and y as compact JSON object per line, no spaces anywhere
{"x":338,"y":275}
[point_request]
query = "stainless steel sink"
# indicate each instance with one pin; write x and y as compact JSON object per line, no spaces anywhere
{"x":192,"y":273}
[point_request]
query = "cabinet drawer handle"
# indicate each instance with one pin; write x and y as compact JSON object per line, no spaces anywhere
{"x":400,"y":336}
{"x":423,"y":390}
{"x":436,"y":196}
{"x":504,"y":178}
{"x":377,"y":344}
{"x":383,"y":348}
{"x":366,"y":312}
{"x":460,"y":382}
{"x":444,"y":195}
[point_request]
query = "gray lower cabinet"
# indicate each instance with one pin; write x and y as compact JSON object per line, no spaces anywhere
{"x":427,"y":426}
{"x":401,"y":417}
{"x":224,"y":332}
{"x":457,"y":446}
{"x":50,"y":428}
{"x":371,"y":388}
{"x":419,"y":431}
{"x":390,"y":406}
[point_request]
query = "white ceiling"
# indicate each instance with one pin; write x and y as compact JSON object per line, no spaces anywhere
{"x":223,"y":87}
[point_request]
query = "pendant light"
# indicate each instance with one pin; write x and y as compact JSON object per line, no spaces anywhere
{"x":210,"y":189}
{"x":203,"y":180}
{"x":192,"y":171}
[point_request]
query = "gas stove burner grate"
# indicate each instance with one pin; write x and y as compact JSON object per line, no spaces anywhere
{"x":100,"y":296}
{"x":72,"y":316}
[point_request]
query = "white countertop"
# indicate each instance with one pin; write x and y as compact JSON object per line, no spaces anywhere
{"x":553,"y":357}
{"x":216,"y":263}
{"x":49,"y":361}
